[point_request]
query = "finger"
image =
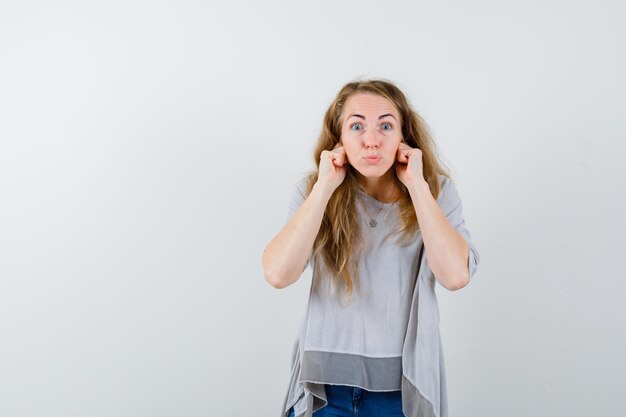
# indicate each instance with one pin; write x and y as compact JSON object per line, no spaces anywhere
{"x":401,"y":157}
{"x":331,"y":154}
{"x":328,"y":155}
{"x":339,"y":160}
{"x":340,"y":155}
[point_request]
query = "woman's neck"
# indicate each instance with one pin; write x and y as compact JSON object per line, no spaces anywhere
{"x":380,"y":188}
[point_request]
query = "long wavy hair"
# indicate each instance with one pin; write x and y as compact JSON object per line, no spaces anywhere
{"x":339,"y":238}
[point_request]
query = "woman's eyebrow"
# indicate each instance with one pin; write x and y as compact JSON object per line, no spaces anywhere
{"x":379,"y":117}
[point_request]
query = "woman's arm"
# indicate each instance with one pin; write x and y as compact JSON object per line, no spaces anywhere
{"x":285,"y":256}
{"x":451,"y":255}
{"x":447,"y":251}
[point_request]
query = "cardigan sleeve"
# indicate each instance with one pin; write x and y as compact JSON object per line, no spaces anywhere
{"x":450,"y":203}
{"x":295,"y":201}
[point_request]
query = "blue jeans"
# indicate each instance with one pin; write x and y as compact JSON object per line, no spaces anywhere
{"x":347,"y":401}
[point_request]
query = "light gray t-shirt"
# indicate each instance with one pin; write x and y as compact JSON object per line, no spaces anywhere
{"x":360,"y":342}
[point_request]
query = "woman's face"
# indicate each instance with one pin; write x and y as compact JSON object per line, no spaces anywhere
{"x":370,"y":127}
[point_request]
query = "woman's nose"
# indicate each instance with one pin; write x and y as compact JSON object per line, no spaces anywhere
{"x":371,"y":139}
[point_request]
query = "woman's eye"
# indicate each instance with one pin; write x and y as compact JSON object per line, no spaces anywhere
{"x":385,"y":126}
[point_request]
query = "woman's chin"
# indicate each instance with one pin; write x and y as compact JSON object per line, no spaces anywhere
{"x":373,"y":171}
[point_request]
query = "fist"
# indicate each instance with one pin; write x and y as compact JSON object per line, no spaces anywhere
{"x":332,"y":169}
{"x":409,"y":168}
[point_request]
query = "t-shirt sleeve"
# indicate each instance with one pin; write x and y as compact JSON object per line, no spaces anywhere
{"x":295,"y":201}
{"x":450,"y":203}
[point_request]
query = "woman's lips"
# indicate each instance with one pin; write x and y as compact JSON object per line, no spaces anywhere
{"x":372,"y":159}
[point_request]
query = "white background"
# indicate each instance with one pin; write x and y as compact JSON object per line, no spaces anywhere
{"x":148,"y":150}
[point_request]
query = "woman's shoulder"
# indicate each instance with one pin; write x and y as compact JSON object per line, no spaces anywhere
{"x":302,"y":182}
{"x":444,"y":182}
{"x":442,"y":179}
{"x":448,"y":192}
{"x":449,"y":195}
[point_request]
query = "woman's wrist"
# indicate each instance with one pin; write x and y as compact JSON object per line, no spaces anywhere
{"x":323,"y":188}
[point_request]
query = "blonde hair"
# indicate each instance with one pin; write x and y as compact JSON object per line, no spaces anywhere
{"x":339,"y":238}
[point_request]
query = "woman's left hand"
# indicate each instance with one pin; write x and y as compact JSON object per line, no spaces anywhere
{"x":409,"y":166}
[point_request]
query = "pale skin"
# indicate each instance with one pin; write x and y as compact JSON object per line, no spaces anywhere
{"x":370,"y":126}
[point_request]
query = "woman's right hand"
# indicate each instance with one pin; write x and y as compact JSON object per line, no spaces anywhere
{"x":332,"y":169}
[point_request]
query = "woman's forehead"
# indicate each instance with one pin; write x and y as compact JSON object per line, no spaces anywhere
{"x":369,"y":106}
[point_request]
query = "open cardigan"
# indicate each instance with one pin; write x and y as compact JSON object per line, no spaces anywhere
{"x":424,"y":392}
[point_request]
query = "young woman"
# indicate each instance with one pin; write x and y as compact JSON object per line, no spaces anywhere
{"x":380,"y":222}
